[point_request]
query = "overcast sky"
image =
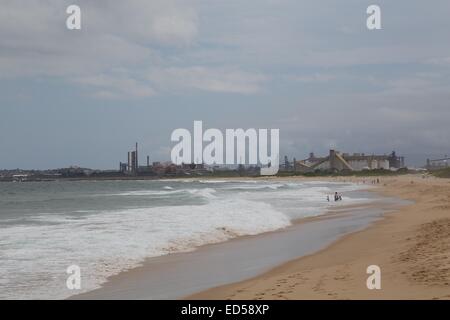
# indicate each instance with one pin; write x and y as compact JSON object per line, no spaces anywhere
{"x":137,"y":70}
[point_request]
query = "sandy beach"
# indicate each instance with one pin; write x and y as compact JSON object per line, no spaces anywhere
{"x":410,"y":245}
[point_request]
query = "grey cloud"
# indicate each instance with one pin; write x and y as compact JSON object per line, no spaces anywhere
{"x":208,"y":79}
{"x":116,"y":87}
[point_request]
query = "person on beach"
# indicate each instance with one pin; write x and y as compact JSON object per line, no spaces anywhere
{"x":337,"y":197}
{"x":328,"y":198}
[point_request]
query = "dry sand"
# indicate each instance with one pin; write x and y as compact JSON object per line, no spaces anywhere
{"x":411,"y":246}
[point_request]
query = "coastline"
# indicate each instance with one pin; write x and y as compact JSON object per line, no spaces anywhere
{"x":411,"y":246}
{"x":245,"y":257}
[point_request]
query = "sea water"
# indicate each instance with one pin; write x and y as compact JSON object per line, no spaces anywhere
{"x":105,"y":227}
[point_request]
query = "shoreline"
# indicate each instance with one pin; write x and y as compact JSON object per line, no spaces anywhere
{"x":144,"y":282}
{"x":411,"y":246}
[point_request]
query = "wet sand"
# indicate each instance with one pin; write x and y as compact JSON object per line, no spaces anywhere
{"x":410,"y":245}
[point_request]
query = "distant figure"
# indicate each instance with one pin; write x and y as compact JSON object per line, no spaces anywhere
{"x":328,"y":198}
{"x":378,"y":180}
{"x":340,"y":197}
{"x":336,"y":197}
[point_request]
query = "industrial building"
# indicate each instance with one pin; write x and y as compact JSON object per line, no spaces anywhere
{"x":336,"y":161}
{"x":132,"y":167}
{"x":438,"y":163}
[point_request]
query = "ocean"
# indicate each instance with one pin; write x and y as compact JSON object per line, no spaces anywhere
{"x":106,"y":227}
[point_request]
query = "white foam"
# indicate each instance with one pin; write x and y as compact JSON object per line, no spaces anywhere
{"x":108,"y":242}
{"x":255,"y":187}
{"x":145,"y":193}
{"x":212,"y":181}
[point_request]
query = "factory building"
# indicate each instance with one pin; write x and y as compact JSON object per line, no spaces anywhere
{"x":337,"y":161}
{"x":438,"y":163}
{"x":396,"y":161}
{"x":132,"y":166}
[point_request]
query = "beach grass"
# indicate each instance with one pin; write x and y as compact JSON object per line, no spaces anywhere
{"x":442,"y":173}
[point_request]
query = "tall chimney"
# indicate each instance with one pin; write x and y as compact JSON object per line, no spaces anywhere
{"x":332,"y":159}
{"x":148,"y":161}
{"x":129,"y":162}
{"x":137,"y":163}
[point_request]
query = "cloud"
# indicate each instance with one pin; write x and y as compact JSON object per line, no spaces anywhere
{"x":223,"y":79}
{"x":195,"y":45}
{"x":116,"y":87}
{"x":134,"y":36}
{"x":114,"y":34}
{"x":122,"y":85}
{"x":173,"y":29}
{"x":439,"y":61}
{"x":314,"y":78}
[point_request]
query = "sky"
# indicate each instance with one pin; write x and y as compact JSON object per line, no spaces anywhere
{"x":137,"y":70}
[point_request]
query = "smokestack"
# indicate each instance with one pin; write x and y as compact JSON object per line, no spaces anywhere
{"x":137,"y":163}
{"x":129,"y":161}
{"x":148,"y":161}
{"x":332,"y":159}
